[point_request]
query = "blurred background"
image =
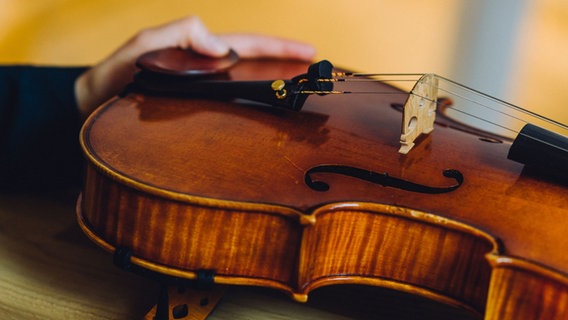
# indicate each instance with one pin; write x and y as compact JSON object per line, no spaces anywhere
{"x":513,"y":49}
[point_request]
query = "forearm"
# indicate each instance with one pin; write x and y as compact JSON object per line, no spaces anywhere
{"x":39,"y":126}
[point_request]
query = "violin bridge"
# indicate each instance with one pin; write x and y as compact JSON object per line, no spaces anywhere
{"x":419,"y":111}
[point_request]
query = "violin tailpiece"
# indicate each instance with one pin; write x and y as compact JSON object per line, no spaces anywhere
{"x":419,"y":111}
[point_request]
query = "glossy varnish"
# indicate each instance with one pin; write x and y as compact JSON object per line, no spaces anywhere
{"x":191,"y":184}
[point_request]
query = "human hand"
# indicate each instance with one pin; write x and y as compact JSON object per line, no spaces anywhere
{"x":111,"y":75}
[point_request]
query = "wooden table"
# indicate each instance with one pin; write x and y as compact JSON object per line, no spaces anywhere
{"x":50,"y":270}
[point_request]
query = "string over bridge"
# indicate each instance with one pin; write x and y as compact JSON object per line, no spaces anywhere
{"x":419,"y":111}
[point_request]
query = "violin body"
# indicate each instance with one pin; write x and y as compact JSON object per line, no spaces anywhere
{"x":191,"y":184}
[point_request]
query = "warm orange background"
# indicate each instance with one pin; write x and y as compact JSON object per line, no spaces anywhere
{"x":373,"y":36}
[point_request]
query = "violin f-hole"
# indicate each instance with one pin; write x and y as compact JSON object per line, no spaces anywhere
{"x":383,"y":179}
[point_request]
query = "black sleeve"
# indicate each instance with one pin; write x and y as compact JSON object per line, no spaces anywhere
{"x":39,"y":128}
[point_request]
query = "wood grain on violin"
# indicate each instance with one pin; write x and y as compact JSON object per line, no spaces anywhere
{"x":194,"y":184}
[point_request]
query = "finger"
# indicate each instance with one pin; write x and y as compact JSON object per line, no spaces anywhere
{"x":189,"y":32}
{"x":192,"y":33}
{"x":256,"y":46}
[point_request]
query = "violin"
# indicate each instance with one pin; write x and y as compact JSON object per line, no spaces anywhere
{"x":280,"y":174}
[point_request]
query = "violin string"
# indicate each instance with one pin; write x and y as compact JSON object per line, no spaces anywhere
{"x":353,"y":77}
{"x":426,"y":98}
{"x":484,"y":120}
{"x":359,"y":74}
{"x":484,"y":106}
{"x":509,"y":105}
{"x":406,"y":93}
{"x":364,"y":80}
{"x":347,"y":92}
{"x":498,"y":111}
